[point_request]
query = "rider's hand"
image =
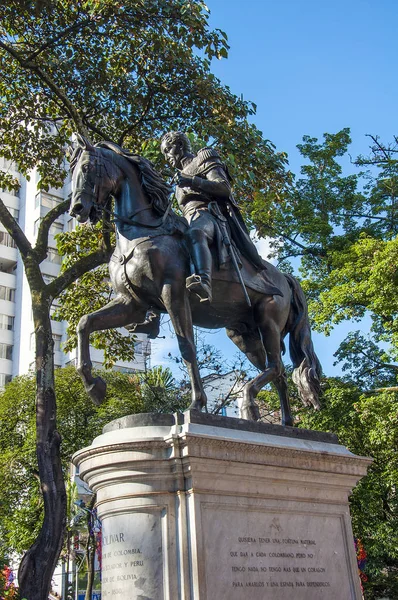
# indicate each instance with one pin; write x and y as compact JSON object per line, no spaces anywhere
{"x":183,"y":181}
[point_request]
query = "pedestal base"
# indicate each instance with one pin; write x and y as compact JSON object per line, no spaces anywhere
{"x":198,"y":507}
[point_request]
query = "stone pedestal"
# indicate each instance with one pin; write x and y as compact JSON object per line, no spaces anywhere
{"x":198,"y":507}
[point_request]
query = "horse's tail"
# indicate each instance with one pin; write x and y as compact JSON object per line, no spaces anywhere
{"x":307,"y":368}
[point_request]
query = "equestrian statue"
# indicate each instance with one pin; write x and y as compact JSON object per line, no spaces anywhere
{"x":202,"y":268}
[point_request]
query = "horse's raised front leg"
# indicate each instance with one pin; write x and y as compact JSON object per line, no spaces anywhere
{"x":117,"y":313}
{"x":177,"y":305}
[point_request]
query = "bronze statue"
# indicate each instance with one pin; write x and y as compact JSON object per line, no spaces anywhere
{"x":151,"y":264}
{"x":204,"y":195}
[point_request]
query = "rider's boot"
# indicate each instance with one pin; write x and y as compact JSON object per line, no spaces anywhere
{"x":150,"y":326}
{"x":200,"y":282}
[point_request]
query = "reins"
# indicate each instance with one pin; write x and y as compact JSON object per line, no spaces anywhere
{"x":131,"y":221}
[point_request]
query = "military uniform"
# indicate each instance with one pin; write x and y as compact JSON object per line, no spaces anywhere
{"x":196,"y":207}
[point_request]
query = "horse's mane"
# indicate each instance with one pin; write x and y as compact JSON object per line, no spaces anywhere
{"x":153,"y":184}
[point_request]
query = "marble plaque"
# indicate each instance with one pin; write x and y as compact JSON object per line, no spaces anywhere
{"x":132,"y":565}
{"x":274,"y":555}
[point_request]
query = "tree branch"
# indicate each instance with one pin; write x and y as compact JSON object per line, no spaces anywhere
{"x":53,"y":41}
{"x":139,"y":120}
{"x":306,"y":250}
{"x":59,"y":93}
{"x":40,"y":248}
{"x":14,"y":230}
{"x":375,"y":140}
{"x":81,"y":266}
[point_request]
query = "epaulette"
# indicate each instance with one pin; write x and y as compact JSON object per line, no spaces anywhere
{"x":207,"y":153}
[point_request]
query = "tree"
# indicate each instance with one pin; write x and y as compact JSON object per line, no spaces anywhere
{"x":79,"y":421}
{"x":341,"y":232}
{"x":367,"y":425}
{"x":120,"y":71}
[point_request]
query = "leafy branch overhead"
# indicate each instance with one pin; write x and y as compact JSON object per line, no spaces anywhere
{"x":125,"y":73}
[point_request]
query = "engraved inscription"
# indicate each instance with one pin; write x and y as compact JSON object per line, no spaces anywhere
{"x":271,"y":555}
{"x":132,"y":557}
{"x":256,"y":555}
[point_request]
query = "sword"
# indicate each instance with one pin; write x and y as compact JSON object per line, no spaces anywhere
{"x":215,"y":209}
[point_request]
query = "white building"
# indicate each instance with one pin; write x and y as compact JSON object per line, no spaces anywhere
{"x":224,"y":393}
{"x":17,"y":351}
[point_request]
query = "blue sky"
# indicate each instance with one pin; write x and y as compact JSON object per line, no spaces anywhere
{"x":311,"y":67}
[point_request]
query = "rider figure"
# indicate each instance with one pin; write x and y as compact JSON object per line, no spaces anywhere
{"x":203,"y":179}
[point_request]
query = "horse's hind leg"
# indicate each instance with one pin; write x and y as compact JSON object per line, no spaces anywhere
{"x":273,"y":373}
{"x":117,"y":313}
{"x":281,"y":387}
{"x":250,"y":343}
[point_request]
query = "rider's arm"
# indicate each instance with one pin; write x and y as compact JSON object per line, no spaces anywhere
{"x":216,"y":183}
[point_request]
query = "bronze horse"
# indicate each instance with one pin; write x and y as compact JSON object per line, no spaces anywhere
{"x":148,"y":270}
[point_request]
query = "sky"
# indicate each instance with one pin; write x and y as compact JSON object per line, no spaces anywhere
{"x":310,"y":67}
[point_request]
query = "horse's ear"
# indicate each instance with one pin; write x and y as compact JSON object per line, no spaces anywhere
{"x":83,"y":142}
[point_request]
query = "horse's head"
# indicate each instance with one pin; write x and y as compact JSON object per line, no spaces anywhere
{"x":92,"y":181}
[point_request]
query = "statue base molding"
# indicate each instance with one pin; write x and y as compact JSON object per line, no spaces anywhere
{"x":202,"y":507}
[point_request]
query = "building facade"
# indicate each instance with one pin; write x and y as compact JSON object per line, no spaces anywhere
{"x":17,"y":348}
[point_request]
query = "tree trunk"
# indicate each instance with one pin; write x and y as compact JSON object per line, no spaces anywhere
{"x":90,"y":550}
{"x":38,"y":564}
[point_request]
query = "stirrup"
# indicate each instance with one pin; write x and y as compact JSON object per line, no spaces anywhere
{"x":198,"y":286}
{"x":150,"y":326}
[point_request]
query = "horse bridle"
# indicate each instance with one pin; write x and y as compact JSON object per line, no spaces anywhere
{"x":99,"y":163}
{"x":94,"y":191}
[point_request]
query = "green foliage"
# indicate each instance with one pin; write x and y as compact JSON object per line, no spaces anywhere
{"x":89,"y":293}
{"x":365,"y":363}
{"x":342,"y":231}
{"x":126,"y":72}
{"x":79,"y":421}
{"x":160,"y":391}
{"x":368,"y":426}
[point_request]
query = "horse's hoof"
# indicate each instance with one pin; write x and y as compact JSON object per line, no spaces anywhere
{"x":250,"y":412}
{"x":97,"y":390}
{"x":197,"y":405}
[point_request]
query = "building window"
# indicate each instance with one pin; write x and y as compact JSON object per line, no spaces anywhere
{"x":6,"y":351}
{"x":7,"y":293}
{"x":53,"y":256}
{"x":48,"y":279}
{"x":6,"y":322}
{"x":56,"y":228}
{"x":47,"y":200}
{"x":57,"y":342}
{"x":53,"y":310}
{"x":6,"y":239}
{"x":4,"y":379}
{"x":10,"y":270}
{"x":11,"y":192}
